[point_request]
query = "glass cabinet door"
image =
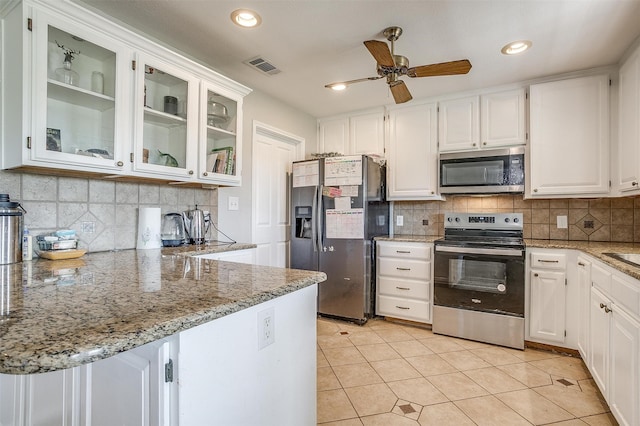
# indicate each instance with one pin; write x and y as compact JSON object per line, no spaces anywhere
{"x":77,"y":98}
{"x":166,"y":129}
{"x":219,"y":143}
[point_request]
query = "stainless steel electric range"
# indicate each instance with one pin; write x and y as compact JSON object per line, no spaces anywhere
{"x":479,"y":269}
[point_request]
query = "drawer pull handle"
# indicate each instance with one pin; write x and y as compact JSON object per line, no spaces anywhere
{"x":403,"y":269}
{"x":403,"y":251}
{"x":403,"y":288}
{"x":402,"y":307}
{"x":535,"y":274}
{"x":605,"y":307}
{"x":581,"y":264}
{"x":548,"y":261}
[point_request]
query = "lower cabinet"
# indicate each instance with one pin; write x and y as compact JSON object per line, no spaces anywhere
{"x":584,"y":293}
{"x":547,"y":313}
{"x":129,"y":388}
{"x":404,"y":284}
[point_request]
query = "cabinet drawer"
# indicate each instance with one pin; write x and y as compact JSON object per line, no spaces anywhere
{"x":626,"y":292}
{"x":403,"y":288}
{"x":601,"y":278}
{"x":397,"y":307}
{"x":548,"y":261}
{"x":404,"y":250}
{"x":404,"y":268}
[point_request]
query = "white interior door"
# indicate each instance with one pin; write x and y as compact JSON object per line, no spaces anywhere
{"x":273,"y":153}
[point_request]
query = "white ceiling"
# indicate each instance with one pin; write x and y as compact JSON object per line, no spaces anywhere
{"x":315,"y":42}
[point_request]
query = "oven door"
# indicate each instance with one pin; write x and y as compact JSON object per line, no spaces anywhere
{"x":480,"y":279}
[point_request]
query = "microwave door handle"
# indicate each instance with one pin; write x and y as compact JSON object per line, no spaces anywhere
{"x":485,"y":175}
{"x":469,"y":250}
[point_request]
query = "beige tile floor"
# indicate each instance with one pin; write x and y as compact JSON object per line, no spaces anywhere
{"x":388,"y":374}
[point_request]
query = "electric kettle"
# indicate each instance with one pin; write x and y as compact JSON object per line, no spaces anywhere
{"x":196,"y":225}
{"x":172,"y":232}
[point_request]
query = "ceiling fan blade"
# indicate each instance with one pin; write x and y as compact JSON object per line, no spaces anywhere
{"x":348,"y":82}
{"x":445,"y":68}
{"x":400,"y":91}
{"x":380,"y":52}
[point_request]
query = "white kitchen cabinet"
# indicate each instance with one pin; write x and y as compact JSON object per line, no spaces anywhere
{"x":584,"y":293}
{"x":459,"y":124}
{"x":68,"y":122}
{"x":165,"y":143}
{"x":624,"y":359}
{"x":487,"y":121}
{"x":569,"y":133}
{"x":220,"y":158}
{"x":628,"y":150}
{"x":404,"y":284}
{"x":356,"y":133}
{"x":412,"y":155}
{"x":102,"y":120}
{"x":239,"y":256}
{"x":129,"y":388}
{"x":547,"y":313}
{"x":599,"y":326}
{"x":502,"y":118}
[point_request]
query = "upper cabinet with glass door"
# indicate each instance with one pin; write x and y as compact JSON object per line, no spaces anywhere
{"x":78,"y":97}
{"x":165,"y":141}
{"x":220,"y":130}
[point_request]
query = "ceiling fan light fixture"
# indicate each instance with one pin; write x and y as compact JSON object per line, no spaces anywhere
{"x":516,"y":47}
{"x":246,"y":18}
{"x":338,"y":87}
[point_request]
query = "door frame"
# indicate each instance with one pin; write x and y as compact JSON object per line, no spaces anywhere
{"x":265,"y":130}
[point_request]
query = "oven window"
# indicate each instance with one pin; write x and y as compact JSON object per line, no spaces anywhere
{"x":483,"y":276}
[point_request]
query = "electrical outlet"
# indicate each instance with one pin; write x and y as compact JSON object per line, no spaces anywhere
{"x":561,"y":222}
{"x":266,"y":328}
{"x":399,"y":220}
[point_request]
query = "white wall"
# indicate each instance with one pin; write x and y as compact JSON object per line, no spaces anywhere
{"x":267,"y":110}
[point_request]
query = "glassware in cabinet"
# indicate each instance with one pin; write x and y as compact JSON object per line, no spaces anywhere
{"x":74,"y":124}
{"x":165,"y":142}
{"x":219,"y":157}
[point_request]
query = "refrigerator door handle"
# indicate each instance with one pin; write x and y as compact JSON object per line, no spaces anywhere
{"x":320,"y":218}
{"x":314,"y":226}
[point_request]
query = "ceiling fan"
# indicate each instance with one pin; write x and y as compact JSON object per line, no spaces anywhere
{"x":393,"y":66}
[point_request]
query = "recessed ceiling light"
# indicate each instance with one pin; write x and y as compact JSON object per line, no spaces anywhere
{"x":246,"y":18}
{"x":516,"y":47}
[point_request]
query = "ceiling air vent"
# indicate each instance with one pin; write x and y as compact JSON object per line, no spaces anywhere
{"x":261,"y":64}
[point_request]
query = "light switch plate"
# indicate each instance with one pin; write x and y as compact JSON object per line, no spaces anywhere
{"x":234,"y":203}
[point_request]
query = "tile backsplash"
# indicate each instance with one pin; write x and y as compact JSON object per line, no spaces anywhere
{"x":103,"y":213}
{"x":603,"y":219}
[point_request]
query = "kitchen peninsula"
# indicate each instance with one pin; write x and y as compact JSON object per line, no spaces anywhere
{"x":160,"y":336}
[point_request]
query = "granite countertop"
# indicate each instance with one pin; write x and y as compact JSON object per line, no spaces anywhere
{"x":65,"y":313}
{"x":595,"y":249}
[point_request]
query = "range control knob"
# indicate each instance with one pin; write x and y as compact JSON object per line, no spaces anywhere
{"x":507,"y":220}
{"x":457,"y":219}
{"x":450,"y":219}
{"x":515,"y":220}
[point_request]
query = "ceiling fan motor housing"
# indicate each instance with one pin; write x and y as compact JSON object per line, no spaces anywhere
{"x":401,"y":66}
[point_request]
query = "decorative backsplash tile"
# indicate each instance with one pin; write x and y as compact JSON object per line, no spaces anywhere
{"x":103,"y":213}
{"x":603,"y":219}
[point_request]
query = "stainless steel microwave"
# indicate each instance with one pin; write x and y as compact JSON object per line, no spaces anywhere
{"x":482,"y":172}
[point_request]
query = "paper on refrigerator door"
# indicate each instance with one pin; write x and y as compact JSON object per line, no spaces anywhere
{"x":343,"y":170}
{"x":346,"y":224}
{"x":306,"y":173}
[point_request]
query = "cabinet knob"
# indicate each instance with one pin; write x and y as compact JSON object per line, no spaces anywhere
{"x":535,"y":190}
{"x":190,"y":172}
{"x":484,"y":143}
{"x":433,"y":192}
{"x":581,"y":264}
{"x":535,"y":274}
{"x":634,"y":183}
{"x":119,"y":164}
{"x":607,"y":310}
{"x":474,"y":144}
{"x":205,"y":174}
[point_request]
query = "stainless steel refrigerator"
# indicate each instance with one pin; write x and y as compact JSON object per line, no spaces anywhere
{"x":337,"y":207}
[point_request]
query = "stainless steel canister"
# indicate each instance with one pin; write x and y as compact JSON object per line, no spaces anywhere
{"x":11,"y":225}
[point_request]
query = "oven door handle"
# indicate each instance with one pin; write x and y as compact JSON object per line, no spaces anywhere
{"x":469,"y":250}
